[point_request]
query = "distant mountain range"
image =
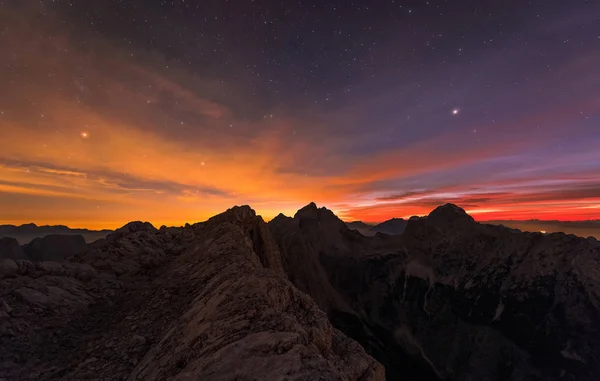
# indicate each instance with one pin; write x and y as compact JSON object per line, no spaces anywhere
{"x":27,"y":232}
{"x":394,"y":226}
{"x":588,"y":228}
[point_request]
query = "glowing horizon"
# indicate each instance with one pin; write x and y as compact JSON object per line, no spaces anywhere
{"x":100,"y":134}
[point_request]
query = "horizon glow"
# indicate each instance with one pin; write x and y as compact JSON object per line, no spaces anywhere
{"x":102,"y":128}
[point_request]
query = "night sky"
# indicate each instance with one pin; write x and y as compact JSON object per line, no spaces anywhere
{"x":172,"y":111}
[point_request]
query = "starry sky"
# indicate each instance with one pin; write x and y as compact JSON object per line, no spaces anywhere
{"x":173,"y":111}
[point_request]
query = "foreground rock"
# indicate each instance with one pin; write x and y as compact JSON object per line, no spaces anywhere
{"x":453,"y":299}
{"x":196,"y":303}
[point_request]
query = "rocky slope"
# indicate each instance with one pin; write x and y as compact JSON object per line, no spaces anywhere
{"x":454,"y":299}
{"x":205,"y":302}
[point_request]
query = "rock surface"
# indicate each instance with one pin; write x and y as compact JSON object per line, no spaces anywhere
{"x":453,"y":299}
{"x":205,"y":302}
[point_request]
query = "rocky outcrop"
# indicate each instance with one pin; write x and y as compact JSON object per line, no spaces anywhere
{"x":256,"y":229}
{"x":453,"y":299}
{"x":10,"y":249}
{"x":301,"y":252}
{"x":55,"y":247}
{"x":195,"y":303}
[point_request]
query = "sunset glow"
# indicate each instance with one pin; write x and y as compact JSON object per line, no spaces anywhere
{"x":98,"y":134}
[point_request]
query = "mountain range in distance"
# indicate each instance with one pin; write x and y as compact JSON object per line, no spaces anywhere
{"x":589,"y":228}
{"x":27,"y":232}
{"x":395,"y":226}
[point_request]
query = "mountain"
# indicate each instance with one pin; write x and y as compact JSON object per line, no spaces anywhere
{"x":10,"y":249}
{"x":590,"y":228}
{"x":208,"y":301}
{"x":392,"y":227}
{"x":454,"y":299}
{"x":360,"y":226}
{"x":55,"y":247}
{"x":27,"y":232}
{"x":306,"y":298}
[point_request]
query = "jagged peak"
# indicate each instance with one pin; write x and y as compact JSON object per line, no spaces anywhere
{"x":235,"y":213}
{"x":309,"y":211}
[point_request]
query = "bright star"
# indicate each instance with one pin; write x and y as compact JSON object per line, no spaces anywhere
{"x":84,"y":135}
{"x":455,"y":111}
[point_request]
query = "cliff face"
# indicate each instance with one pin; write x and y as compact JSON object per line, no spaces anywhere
{"x":454,"y":299}
{"x":204,"y":302}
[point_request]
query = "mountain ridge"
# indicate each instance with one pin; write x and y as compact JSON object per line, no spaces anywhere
{"x":25,"y":233}
{"x":448,"y":299}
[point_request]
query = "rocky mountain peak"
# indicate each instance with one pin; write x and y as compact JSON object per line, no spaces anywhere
{"x":235,"y":214}
{"x":257,"y":230}
{"x":449,"y":214}
{"x":310,"y":211}
{"x":136,"y":226}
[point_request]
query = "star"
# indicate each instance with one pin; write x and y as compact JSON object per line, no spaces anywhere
{"x":455,"y":111}
{"x":84,"y":135}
